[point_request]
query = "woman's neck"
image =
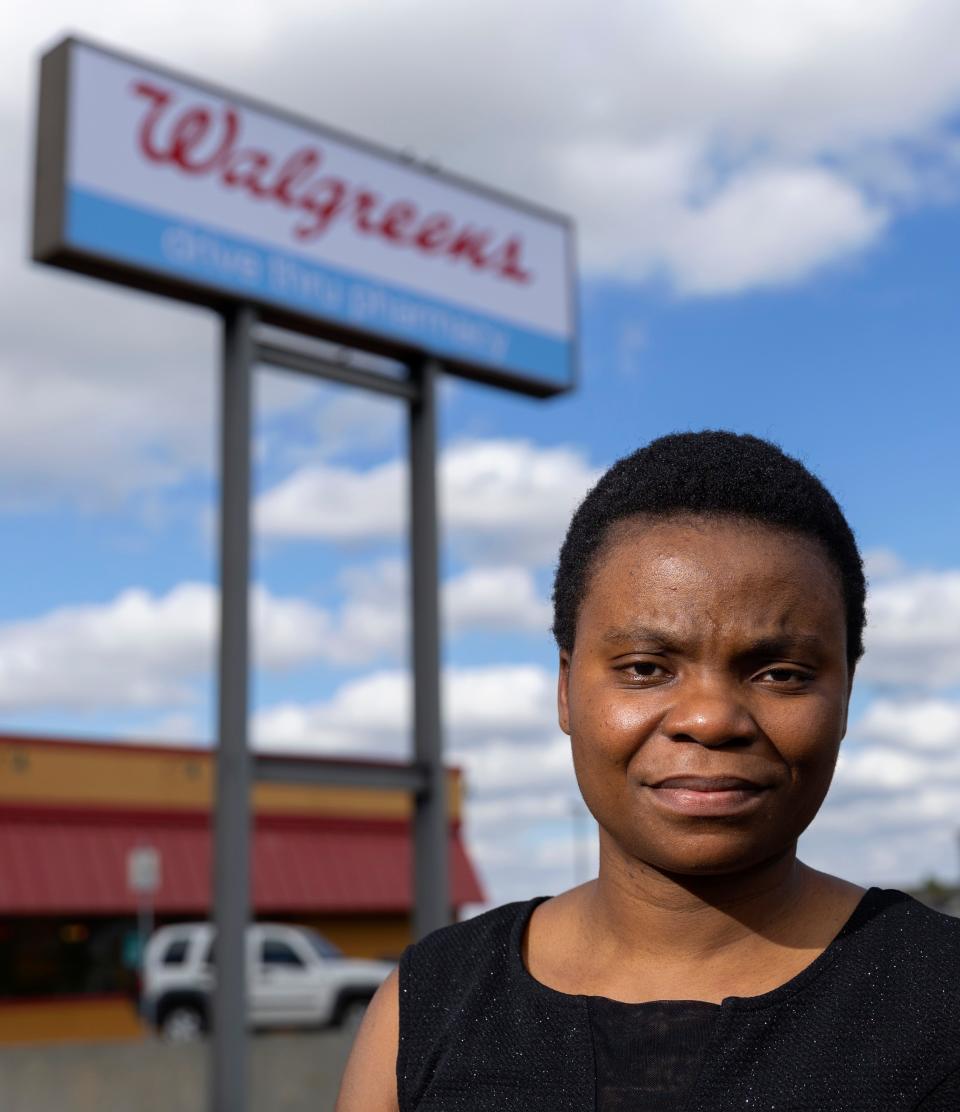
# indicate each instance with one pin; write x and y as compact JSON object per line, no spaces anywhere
{"x":637,"y":933}
{"x":646,"y":909}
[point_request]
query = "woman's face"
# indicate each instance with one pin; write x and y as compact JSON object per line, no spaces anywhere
{"x":706,"y":694}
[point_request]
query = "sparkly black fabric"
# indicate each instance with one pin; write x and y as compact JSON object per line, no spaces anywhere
{"x":648,"y":1055}
{"x":873,"y":1025}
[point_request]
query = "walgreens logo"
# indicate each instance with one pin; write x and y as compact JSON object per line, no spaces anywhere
{"x":208,"y":143}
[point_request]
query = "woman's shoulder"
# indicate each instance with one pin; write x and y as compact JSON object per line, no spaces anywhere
{"x":489,"y":933}
{"x":907,"y":946}
{"x":904,"y":922}
{"x":474,"y":1031}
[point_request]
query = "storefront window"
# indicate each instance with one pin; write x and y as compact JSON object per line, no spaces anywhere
{"x":66,"y":957}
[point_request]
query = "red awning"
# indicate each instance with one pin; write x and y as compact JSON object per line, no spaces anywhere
{"x":70,"y":862}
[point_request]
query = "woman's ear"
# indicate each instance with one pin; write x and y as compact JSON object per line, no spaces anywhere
{"x":563,"y":692}
{"x":846,"y":709}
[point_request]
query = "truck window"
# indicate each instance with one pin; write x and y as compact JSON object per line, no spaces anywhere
{"x":176,"y":952}
{"x":323,"y":947}
{"x":275,"y":952}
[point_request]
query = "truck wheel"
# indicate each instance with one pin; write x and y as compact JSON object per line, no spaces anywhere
{"x":182,"y":1024}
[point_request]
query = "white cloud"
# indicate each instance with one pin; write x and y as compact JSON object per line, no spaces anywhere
{"x":501,"y":599}
{"x":508,"y":500}
{"x":515,"y":701}
{"x":142,"y":649}
{"x":891,"y":816}
{"x":913,"y":631}
{"x":918,"y":724}
{"x":145,"y":649}
{"x":881,"y":768}
{"x":92,"y":420}
{"x":335,"y":503}
{"x":887,"y":842}
{"x":372,"y":714}
{"x":511,"y":780}
{"x":105,"y":393}
{"x":373,"y":619}
{"x":501,"y":500}
{"x":136,"y":650}
{"x":928,"y":810}
{"x":769,"y":227}
{"x":771,"y":224}
{"x":371,"y":622}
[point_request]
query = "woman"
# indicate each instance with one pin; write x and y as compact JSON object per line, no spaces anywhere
{"x":709,"y":611}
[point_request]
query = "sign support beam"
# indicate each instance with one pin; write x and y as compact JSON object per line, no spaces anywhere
{"x":231,"y":857}
{"x":304,"y":363}
{"x":269,"y":769}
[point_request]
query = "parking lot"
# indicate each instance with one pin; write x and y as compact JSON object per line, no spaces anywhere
{"x":289,"y":1073}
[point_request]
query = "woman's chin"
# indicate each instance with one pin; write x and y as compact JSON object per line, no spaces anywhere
{"x":704,"y":855}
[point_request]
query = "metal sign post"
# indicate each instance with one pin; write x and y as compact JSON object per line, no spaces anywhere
{"x":430,"y":832}
{"x":231,"y":852}
{"x":235,"y":765}
{"x":143,"y":879}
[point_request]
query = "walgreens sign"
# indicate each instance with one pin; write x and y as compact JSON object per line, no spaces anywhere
{"x":153,"y":180}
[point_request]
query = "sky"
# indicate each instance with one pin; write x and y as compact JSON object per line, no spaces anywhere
{"x":767,"y":203}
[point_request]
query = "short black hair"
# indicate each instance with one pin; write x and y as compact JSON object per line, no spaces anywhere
{"x":713,"y":473}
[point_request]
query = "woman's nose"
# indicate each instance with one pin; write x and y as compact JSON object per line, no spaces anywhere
{"x":711,"y":712}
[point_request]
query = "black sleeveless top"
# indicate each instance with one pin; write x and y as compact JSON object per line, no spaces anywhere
{"x":872,"y":1024}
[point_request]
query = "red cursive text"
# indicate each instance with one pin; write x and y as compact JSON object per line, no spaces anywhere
{"x":201,"y":141}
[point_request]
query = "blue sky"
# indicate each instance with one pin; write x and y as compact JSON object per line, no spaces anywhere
{"x":769,"y":223}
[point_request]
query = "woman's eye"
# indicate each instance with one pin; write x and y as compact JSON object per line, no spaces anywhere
{"x":645,"y":670}
{"x":795,"y":676}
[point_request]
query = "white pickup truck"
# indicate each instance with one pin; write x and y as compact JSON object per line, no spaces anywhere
{"x":295,"y":977}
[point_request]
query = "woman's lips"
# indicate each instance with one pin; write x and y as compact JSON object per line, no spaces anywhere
{"x":707,"y":796}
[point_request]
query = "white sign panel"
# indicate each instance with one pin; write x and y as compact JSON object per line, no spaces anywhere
{"x":143,"y":870}
{"x":165,"y":183}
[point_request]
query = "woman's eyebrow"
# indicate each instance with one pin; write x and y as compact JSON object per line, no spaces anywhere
{"x":648,"y":634}
{"x":777,"y":644}
{"x":780,"y":643}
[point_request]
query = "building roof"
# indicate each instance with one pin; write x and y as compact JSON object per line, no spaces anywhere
{"x":70,"y":812}
{"x":60,"y":861}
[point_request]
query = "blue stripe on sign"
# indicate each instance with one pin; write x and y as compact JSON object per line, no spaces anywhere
{"x":195,"y":253}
